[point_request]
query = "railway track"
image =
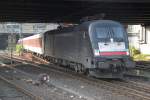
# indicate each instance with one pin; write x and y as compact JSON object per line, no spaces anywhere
{"x":128,"y":86}
{"x":60,"y":95}
{"x":143,"y":65}
{"x":130,"y":89}
{"x":134,"y":85}
{"x":22,"y":90}
{"x":127,"y":83}
{"x":8,"y":91}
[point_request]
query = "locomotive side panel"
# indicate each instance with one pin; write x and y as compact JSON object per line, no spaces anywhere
{"x":66,"y":46}
{"x":70,"y":46}
{"x":86,"y":54}
{"x":49,"y":45}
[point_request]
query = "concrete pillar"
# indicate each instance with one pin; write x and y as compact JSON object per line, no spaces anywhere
{"x":145,"y":44}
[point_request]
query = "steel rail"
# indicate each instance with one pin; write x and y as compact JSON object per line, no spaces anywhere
{"x":133,"y":85}
{"x":25,"y":73}
{"x":120,"y":89}
{"x":26,"y":92}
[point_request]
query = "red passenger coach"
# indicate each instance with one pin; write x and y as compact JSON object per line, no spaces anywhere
{"x":33,"y":43}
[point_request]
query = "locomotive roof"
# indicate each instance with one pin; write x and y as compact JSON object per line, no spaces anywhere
{"x":88,"y":23}
{"x":82,"y":26}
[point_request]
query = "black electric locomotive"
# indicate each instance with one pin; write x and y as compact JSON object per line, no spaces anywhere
{"x":99,"y":48}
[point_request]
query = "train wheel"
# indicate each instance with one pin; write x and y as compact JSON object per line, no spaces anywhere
{"x":87,"y":72}
{"x":81,"y":68}
{"x":76,"y":68}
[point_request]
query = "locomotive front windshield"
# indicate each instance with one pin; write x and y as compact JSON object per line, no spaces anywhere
{"x":105,"y":32}
{"x":108,"y":32}
{"x":108,"y":37}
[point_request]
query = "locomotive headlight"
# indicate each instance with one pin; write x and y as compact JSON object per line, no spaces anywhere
{"x":127,"y":52}
{"x":96,"y":52}
{"x":111,"y":40}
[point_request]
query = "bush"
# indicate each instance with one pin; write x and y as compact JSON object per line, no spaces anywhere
{"x":137,"y":56}
{"x":19,"y":48}
{"x":134,"y":51}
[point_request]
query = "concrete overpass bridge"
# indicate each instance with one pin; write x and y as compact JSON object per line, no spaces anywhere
{"x":126,"y":11}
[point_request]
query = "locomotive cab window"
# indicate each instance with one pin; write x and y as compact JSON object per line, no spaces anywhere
{"x":104,"y":33}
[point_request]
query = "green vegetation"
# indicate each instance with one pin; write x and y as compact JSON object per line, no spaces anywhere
{"x":19,"y":48}
{"x":141,"y":57}
{"x":134,"y":51}
{"x":137,"y":56}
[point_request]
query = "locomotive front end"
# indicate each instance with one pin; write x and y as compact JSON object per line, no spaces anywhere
{"x":110,"y":49}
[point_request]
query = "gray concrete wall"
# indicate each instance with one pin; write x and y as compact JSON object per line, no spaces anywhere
{"x":139,"y":37}
{"x":134,"y":41}
{"x":27,"y":27}
{"x":134,"y":33}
